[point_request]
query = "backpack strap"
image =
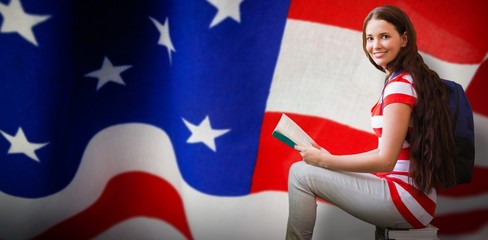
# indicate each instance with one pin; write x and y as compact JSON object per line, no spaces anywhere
{"x":456,"y":111}
{"x":453,"y":88}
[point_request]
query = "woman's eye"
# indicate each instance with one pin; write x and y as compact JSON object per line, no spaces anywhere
{"x":385,"y":37}
{"x":369,"y":39}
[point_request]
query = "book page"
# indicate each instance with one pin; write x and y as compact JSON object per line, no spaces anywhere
{"x":291,"y":130}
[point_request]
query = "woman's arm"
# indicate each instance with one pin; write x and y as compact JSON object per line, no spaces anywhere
{"x":396,"y":117}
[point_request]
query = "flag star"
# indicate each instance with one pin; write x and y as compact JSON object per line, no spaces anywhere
{"x":108,"y":72}
{"x":20,"y":144}
{"x":225,"y":9}
{"x":204,"y":133}
{"x":15,"y":19}
{"x":164,"y":37}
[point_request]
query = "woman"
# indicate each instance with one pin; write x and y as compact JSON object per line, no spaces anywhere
{"x":415,"y":142}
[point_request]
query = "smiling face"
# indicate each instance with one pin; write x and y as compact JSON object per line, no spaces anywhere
{"x":383,"y":42}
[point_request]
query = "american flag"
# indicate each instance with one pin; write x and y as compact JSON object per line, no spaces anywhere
{"x":152,"y":119}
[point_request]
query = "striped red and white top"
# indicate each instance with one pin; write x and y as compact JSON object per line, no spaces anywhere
{"x":417,"y":208}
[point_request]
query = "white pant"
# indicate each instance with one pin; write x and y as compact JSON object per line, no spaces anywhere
{"x":362,"y":195}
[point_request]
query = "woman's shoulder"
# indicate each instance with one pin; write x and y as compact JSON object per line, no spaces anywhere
{"x":400,"y":89}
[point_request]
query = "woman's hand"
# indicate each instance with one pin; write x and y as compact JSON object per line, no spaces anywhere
{"x":315,"y":155}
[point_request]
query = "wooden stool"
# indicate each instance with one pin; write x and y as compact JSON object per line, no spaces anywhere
{"x":429,"y":232}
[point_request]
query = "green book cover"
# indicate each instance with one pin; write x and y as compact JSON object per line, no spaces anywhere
{"x":290,"y":133}
{"x":283,"y":138}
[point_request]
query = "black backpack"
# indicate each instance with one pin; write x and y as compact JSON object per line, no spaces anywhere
{"x":463,"y":129}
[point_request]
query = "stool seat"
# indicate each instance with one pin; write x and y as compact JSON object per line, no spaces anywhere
{"x":428,"y":232}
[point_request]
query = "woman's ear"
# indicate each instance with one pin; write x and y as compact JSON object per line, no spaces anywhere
{"x":404,"y":39}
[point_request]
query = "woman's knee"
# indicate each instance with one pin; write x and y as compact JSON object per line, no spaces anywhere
{"x":292,"y":172}
{"x":295,"y":170}
{"x":298,"y":174}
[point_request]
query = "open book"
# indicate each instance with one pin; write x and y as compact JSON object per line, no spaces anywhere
{"x":290,"y":133}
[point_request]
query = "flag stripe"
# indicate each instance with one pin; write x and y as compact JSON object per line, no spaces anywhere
{"x":475,"y":187}
{"x":314,"y":75}
{"x":481,"y":141}
{"x":460,"y":223}
{"x":449,"y":205}
{"x":465,"y":18}
{"x":126,"y":195}
{"x":476,"y":91}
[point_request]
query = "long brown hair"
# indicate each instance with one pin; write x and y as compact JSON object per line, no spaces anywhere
{"x":431,"y":139}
